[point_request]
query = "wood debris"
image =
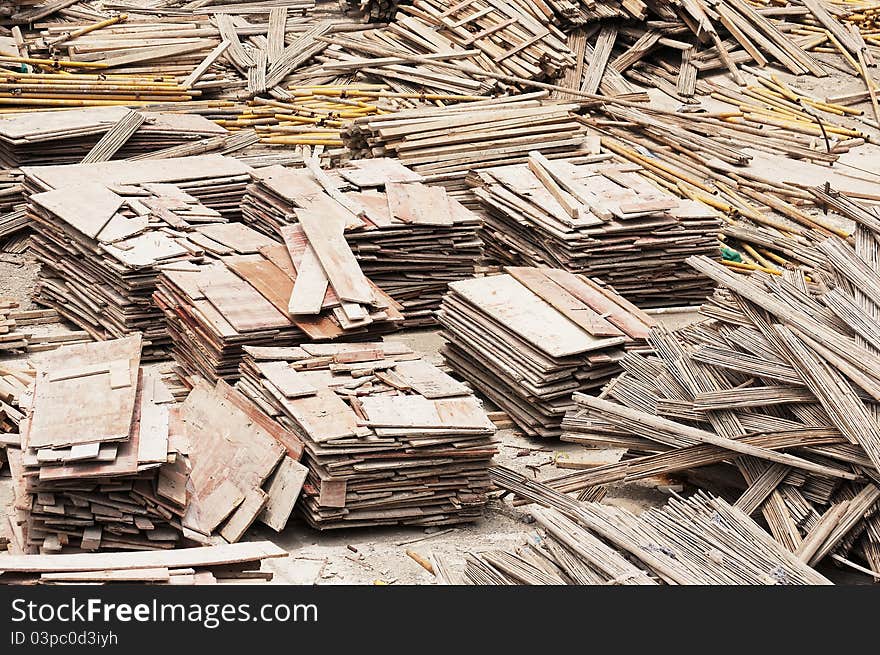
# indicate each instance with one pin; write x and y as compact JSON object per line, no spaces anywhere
{"x":409,"y":238}
{"x":530,"y":337}
{"x":389,"y":439}
{"x":18,"y":334}
{"x":603,"y":220}
{"x":185,"y":566}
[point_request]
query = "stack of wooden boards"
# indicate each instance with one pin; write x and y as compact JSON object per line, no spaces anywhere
{"x":450,"y":141}
{"x":261,"y":293}
{"x":389,"y":438}
{"x":604,"y":220}
{"x":103,"y":230}
{"x":13,"y":338}
{"x":700,"y":540}
{"x":529,"y":338}
{"x":100,"y":465}
{"x":409,"y":238}
{"x":783,"y":386}
{"x":185,"y":566}
{"x":66,"y":137}
{"x":15,"y":382}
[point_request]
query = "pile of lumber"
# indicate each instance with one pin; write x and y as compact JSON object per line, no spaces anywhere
{"x":184,"y":566}
{"x":377,"y":10}
{"x":450,"y":141}
{"x":15,"y":382}
{"x":774,"y":402}
{"x":14,"y":338}
{"x":99,"y":465}
{"x":103,"y":230}
{"x":66,"y":137}
{"x":214,"y":310}
{"x":529,"y":338}
{"x":701,"y":540}
{"x":409,"y":238}
{"x":389,"y":438}
{"x":243,"y":467}
{"x":604,"y":220}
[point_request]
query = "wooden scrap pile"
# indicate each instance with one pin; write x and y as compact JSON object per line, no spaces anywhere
{"x":184,"y":566}
{"x":66,"y":137}
{"x":777,"y":396}
{"x":389,"y":438}
{"x":244,"y":467}
{"x":601,"y":219}
{"x":450,"y":141}
{"x":100,"y":466}
{"x":15,"y":383}
{"x":265,"y":294}
{"x":17,"y":332}
{"x":103,"y":231}
{"x":700,"y":540}
{"x":529,"y":338}
{"x":409,"y":238}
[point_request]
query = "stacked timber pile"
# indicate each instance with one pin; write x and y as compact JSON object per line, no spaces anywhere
{"x":450,"y":141}
{"x":389,"y":439}
{"x":270,"y":295}
{"x":409,"y":238}
{"x":185,"y":566}
{"x":17,"y":331}
{"x":98,"y":457}
{"x":66,"y":137}
{"x":700,"y":540}
{"x":101,"y":251}
{"x":243,"y":467}
{"x":15,"y":382}
{"x":781,"y":386}
{"x":603,"y":220}
{"x":531,"y":337}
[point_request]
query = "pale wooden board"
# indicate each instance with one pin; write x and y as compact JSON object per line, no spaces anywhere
{"x":86,"y":409}
{"x":236,"y":236}
{"x":324,"y":416}
{"x":419,"y":204}
{"x":428,"y":380}
{"x":173,"y":559}
{"x":244,"y":515}
{"x":325,"y":235}
{"x":311,"y":280}
{"x":290,"y":382}
{"x":283,"y":489}
{"x":88,"y":209}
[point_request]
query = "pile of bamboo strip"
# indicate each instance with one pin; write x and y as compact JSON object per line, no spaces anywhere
{"x":700,"y":540}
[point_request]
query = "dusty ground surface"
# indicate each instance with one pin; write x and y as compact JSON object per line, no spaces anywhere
{"x":377,"y":556}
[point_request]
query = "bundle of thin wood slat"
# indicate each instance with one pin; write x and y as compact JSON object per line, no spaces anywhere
{"x":783,"y":384}
{"x":700,"y":540}
{"x":529,"y":338}
{"x":389,"y":438}
{"x":185,"y":566}
{"x":377,"y":10}
{"x":15,"y":335}
{"x":98,"y":455}
{"x":601,"y":219}
{"x":409,"y":238}
{"x":268,"y":294}
{"x":103,"y":231}
{"x":66,"y":137}
{"x":448,"y":142}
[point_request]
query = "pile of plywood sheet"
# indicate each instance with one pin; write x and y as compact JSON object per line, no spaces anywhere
{"x":529,"y":338}
{"x":604,"y":220}
{"x":184,"y":566}
{"x":267,"y":294}
{"x":17,"y":331}
{"x":244,"y":467}
{"x":102,"y":240}
{"x":66,"y":137}
{"x":409,"y":238}
{"x":100,"y":464}
{"x":389,"y":438}
{"x":700,"y":540}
